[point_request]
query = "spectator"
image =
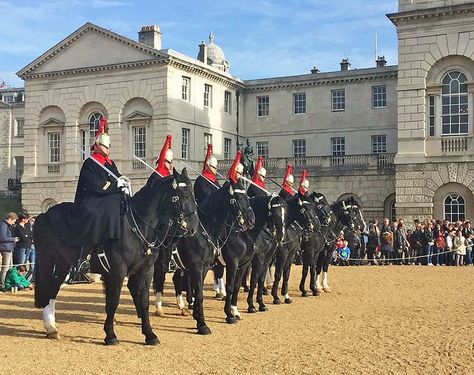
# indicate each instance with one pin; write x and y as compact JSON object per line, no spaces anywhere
{"x":469,"y":245}
{"x":23,"y":232}
{"x":372,"y":242}
{"x":449,"y":246}
{"x":401,"y":242}
{"x":31,"y":255}
{"x":440,"y":244}
{"x":459,"y":247}
{"x":430,"y":245}
{"x":16,"y":280}
{"x":7,"y":244}
{"x":386,"y":242}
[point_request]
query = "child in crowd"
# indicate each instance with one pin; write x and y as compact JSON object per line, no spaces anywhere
{"x":343,"y":252}
{"x":16,"y":280}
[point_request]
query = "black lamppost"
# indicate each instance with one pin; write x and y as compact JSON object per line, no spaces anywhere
{"x":237,"y":96}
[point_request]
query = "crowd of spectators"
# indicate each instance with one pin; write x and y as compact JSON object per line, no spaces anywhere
{"x":431,"y":243}
{"x":17,"y":252}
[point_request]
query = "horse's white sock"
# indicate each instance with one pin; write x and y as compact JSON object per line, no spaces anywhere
{"x":216,"y":285}
{"x":287,"y":296}
{"x":325,"y":280}
{"x":221,"y":286}
{"x":180,"y":301}
{"x":234,"y":311}
{"x":49,"y":318}
{"x":158,"y":302}
{"x":318,"y":281}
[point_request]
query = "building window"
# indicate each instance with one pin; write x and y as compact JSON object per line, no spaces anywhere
{"x":207,"y":96}
{"x":299,"y":103}
{"x":262,"y":149}
{"x":186,"y":89}
{"x":299,"y":148}
{"x":207,"y":140}
{"x":454,"y":208}
{"x":94,"y":121}
{"x":379,"y":96}
{"x":227,"y":148}
{"x":392,"y":211}
{"x":338,"y":145}
{"x":185,"y":138}
{"x":379,"y":144}
{"x":139,"y":141}
{"x":431,"y":114}
{"x":263,"y":105}
{"x":19,"y":167}
{"x":8,"y":98}
{"x":227,"y":102}
{"x":338,"y":100}
{"x":54,"y":152}
{"x":20,"y":127}
{"x":454,"y":118}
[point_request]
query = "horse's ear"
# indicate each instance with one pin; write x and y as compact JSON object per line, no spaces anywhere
{"x":175,"y":173}
{"x":184,"y":172}
{"x":300,"y":202}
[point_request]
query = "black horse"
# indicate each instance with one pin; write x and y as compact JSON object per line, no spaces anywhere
{"x":225,"y":206}
{"x":313,"y":245}
{"x":301,"y":222}
{"x":160,"y":212}
{"x":261,"y":242}
{"x":345,"y":216}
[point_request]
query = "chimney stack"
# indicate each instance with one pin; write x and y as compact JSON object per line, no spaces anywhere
{"x":381,"y":62}
{"x":150,"y":36}
{"x":314,"y":70}
{"x":202,"y":56}
{"x":345,"y":64}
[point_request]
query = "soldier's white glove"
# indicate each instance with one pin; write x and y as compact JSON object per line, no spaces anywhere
{"x":123,"y":183}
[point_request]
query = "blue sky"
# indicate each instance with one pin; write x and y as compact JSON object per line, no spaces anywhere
{"x":260,"y":38}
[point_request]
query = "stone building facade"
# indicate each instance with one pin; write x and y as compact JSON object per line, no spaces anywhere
{"x":383,"y":134}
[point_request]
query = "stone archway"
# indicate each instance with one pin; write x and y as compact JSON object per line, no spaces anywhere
{"x":452,"y":188}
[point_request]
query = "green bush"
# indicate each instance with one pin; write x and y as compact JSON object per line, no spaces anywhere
{"x":9,"y":204}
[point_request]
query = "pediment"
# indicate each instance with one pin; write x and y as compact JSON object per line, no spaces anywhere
{"x":51,"y":122}
{"x":88,"y":47}
{"x":136,"y":116}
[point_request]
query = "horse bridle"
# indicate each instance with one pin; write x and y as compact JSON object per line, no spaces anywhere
{"x":237,"y":210}
{"x":271,"y":223}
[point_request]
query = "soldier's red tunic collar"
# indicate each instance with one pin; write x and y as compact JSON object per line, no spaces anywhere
{"x":101,"y":158}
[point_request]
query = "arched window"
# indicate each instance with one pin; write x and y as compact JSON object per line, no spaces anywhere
{"x":392,"y":211}
{"x":94,"y":121}
{"x":454,"y":208}
{"x":454,"y":117}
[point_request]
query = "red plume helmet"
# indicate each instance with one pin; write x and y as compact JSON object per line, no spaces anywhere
{"x":101,"y":136}
{"x":304,"y":183}
{"x":258,"y":169}
{"x":235,"y":166}
{"x":165,"y":154}
{"x":288,"y":178}
{"x":209,"y":160}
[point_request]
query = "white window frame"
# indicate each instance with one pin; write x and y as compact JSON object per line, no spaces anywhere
{"x":379,"y":144}
{"x":459,"y":101}
{"x":263,"y":149}
{"x":227,"y":102}
{"x":338,"y":100}
{"x":227,"y":148}
{"x":186,"y":88}
{"x":207,"y":140}
{"x":299,"y":148}
{"x":455,"y":202}
{"x":20,"y":127}
{"x":185,"y":143}
{"x":338,"y":146}
{"x":299,"y":103}
{"x":139,"y":141}
{"x":263,"y":105}
{"x":379,"y":96}
{"x":207,"y":95}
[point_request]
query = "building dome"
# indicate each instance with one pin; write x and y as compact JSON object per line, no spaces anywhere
{"x":213,"y":55}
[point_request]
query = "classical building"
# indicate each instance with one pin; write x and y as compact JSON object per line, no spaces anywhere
{"x":383,"y":134}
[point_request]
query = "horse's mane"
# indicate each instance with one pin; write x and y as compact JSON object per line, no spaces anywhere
{"x":154,"y":181}
{"x":213,"y":201}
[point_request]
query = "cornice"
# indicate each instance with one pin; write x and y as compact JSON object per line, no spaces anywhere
{"x":320,"y":82}
{"x":429,"y":14}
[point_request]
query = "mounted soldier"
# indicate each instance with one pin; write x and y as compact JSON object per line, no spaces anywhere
{"x":258,"y":180}
{"x":288,"y":180}
{"x":95,"y":218}
{"x":206,"y":182}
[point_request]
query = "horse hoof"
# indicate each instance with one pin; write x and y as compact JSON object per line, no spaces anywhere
{"x":159,"y":312}
{"x":327,"y":289}
{"x":53,"y":336}
{"x":191,"y":306}
{"x":111,"y":341}
{"x":185,"y":312}
{"x":276,"y":301}
{"x":219,"y":295}
{"x":316,"y":293}
{"x":251,"y":310}
{"x":320,"y":290}
{"x":204,"y":330}
{"x":246,"y":289}
{"x":288,"y":300}
{"x":238,"y":317}
{"x":262,"y":308}
{"x":231,"y":320}
{"x":304,"y":294}
{"x":152,"y":341}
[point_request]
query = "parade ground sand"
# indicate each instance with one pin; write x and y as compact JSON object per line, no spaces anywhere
{"x":377,"y":320}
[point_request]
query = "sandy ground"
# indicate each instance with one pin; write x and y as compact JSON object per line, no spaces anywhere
{"x":378,"y":320}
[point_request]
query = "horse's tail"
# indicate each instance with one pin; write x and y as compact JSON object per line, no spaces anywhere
{"x":44,"y":266}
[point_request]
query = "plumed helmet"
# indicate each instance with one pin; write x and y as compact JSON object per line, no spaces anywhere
{"x":259,"y":170}
{"x":209,"y":160}
{"x":239,"y":168}
{"x":212,"y":162}
{"x":101,"y":136}
{"x":262,"y":172}
{"x":165,"y":155}
{"x":290,"y":179}
{"x":304,"y":183}
{"x":236,"y":167}
{"x":169,"y":155}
